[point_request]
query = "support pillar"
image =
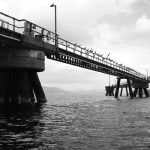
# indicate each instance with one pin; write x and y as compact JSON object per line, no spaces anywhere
{"x":14,"y":87}
{"x":130,"y":88}
{"x":38,"y":90}
{"x":3,"y":84}
{"x":31,"y":93}
{"x":109,"y":90}
{"x":146,"y":92}
{"x":138,"y":85}
{"x":117,"y":88}
{"x":24,"y":88}
{"x":127,"y":91}
{"x":107,"y":93}
{"x":140,"y":93}
{"x":121,"y":91}
{"x":7,"y":97}
{"x":135,"y":91}
{"x":19,"y":82}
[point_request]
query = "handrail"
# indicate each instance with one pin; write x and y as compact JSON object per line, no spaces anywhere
{"x":30,"y":29}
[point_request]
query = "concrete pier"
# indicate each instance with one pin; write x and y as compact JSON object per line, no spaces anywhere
{"x":23,"y":47}
{"x":19,"y":82}
{"x":123,"y":86}
{"x":140,"y":88}
{"x":117,"y":87}
{"x":122,"y":90}
{"x":109,"y":90}
{"x":130,"y":88}
{"x":36,"y":86}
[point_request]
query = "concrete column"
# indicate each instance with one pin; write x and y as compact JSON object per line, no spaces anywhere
{"x":141,"y":85}
{"x":127,"y":91}
{"x":130,"y":88}
{"x":38,"y":90}
{"x":121,"y":91}
{"x":109,"y":90}
{"x":117,"y":88}
{"x":8,"y":91}
{"x":15,"y":86}
{"x":3,"y":84}
{"x":24,"y":88}
{"x":113,"y":93}
{"x":140,"y":93}
{"x":135,"y":91}
{"x":146,"y":92}
{"x":106,"y":93}
{"x":7,"y":97}
{"x":31,"y":93}
{"x":110,"y":93}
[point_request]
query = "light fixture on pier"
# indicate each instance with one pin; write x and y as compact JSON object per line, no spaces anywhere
{"x":55,"y":25}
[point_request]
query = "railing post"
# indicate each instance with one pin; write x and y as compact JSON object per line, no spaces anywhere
{"x":81,"y":52}
{"x":66,"y":45}
{"x":13,"y":24}
{"x":56,"y":42}
{"x":74,"y":48}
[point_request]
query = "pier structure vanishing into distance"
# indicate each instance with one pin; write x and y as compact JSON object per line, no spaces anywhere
{"x":23,"y":47}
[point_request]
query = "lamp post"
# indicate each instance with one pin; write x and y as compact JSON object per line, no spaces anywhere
{"x":55,"y":25}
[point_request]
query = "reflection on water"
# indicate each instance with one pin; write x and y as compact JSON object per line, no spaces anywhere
{"x":18,"y":128}
{"x":78,"y":123}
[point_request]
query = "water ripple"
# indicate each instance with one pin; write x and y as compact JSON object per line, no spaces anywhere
{"x":78,"y":123}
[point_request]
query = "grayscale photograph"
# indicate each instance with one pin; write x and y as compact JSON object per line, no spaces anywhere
{"x":74,"y":74}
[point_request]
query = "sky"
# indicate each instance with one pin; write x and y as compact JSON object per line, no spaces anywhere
{"x":118,"y":27}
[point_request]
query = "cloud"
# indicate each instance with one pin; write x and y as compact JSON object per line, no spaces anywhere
{"x":75,"y":18}
{"x":139,"y":34}
{"x":106,"y":33}
{"x":125,"y":6}
{"x":143,"y":25}
{"x":126,"y":44}
{"x":78,"y":22}
{"x":5,"y":6}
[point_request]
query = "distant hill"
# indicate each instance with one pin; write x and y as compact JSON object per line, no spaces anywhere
{"x":89,"y":92}
{"x":59,"y":91}
{"x":55,"y":91}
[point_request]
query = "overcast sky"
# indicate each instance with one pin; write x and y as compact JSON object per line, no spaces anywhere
{"x":118,"y":27}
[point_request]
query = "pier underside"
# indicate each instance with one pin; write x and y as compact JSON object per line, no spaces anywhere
{"x":138,"y":86}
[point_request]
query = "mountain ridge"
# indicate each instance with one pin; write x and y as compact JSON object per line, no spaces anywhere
{"x":59,"y":91}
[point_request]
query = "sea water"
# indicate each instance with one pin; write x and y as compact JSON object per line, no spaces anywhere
{"x":78,"y":122}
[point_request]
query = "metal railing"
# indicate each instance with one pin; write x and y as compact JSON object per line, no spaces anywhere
{"x":28,"y":28}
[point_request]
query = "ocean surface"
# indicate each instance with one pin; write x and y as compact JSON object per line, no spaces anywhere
{"x":78,"y":122}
